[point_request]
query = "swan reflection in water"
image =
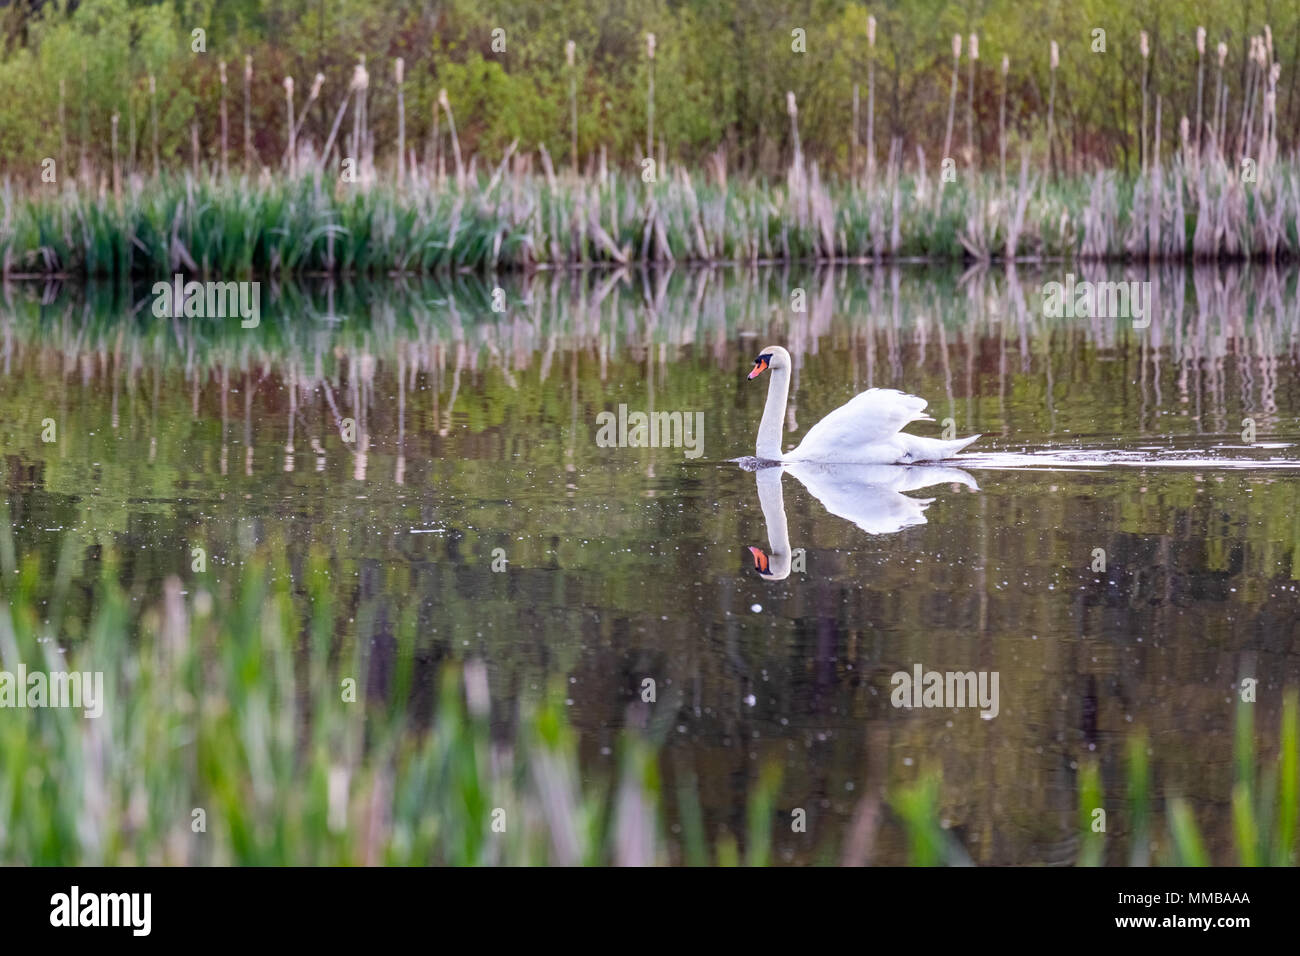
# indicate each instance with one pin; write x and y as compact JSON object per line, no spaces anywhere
{"x":870,"y":496}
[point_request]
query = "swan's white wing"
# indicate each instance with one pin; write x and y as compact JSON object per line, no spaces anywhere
{"x":870,"y":417}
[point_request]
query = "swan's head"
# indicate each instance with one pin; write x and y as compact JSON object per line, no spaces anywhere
{"x":775,"y":567}
{"x":772,"y":357}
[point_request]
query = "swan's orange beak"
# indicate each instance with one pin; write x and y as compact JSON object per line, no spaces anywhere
{"x":760,"y":559}
{"x":760,"y":366}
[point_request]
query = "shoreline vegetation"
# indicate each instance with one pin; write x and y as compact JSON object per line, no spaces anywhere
{"x":166,"y":158}
{"x":514,"y":221}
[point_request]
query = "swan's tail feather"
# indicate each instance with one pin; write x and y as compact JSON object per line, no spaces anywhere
{"x":932,"y":449}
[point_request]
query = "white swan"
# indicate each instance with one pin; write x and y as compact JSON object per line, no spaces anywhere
{"x":870,"y":496}
{"x":863,"y":431}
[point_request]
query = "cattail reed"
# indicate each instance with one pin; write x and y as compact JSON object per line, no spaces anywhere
{"x":360,"y":83}
{"x":445,"y":103}
{"x":952,"y":96}
{"x":1144,"y":47}
{"x":871,"y":102}
{"x":117,"y":176}
{"x":973,"y":49}
{"x":1274,"y":74}
{"x":85,"y":122}
{"x":435,"y":144}
{"x":153,"y":120}
{"x":225,"y":168}
{"x":1220,"y":100}
{"x":792,"y":109}
{"x":398,"y":71}
{"x":130,"y":129}
{"x":1248,"y":98}
{"x":63,"y":126}
{"x":853,"y":140}
{"x":288,"y":98}
{"x":1054,"y":61}
{"x":570,"y":56}
{"x":1002,"y":122}
{"x":650,"y":95}
{"x":1200,"y":81}
{"x":338,"y":116}
{"x":248,"y":120}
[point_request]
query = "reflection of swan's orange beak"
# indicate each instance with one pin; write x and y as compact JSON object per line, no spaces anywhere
{"x":760,"y":559}
{"x":760,"y":365}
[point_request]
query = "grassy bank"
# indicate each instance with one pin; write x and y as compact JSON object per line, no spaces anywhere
{"x":502,"y":221}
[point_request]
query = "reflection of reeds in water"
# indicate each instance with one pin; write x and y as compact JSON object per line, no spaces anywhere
{"x":1265,"y":809}
{"x":1224,"y":330}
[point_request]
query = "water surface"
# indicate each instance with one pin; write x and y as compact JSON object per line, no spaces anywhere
{"x":476,"y":499}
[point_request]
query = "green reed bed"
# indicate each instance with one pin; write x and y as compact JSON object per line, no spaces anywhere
{"x":1264,"y":805}
{"x":316,"y":224}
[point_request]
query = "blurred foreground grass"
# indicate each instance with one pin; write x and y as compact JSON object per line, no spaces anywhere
{"x":237,"y":729}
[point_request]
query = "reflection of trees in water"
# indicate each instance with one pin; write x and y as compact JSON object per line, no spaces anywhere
{"x":1206,"y":324}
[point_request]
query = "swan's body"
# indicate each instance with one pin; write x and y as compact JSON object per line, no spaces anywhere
{"x":870,"y":496}
{"x":866,"y":430}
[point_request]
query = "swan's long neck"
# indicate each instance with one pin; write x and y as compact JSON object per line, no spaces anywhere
{"x":778,"y":533}
{"x":769,"y":429}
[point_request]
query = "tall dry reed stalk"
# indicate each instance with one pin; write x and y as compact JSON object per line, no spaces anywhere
{"x":792,"y":110}
{"x":952,"y":96}
{"x":1248,"y":96}
{"x":291,"y":150}
{"x":1144,"y":47}
{"x":1200,"y":84}
{"x":291,"y":153}
{"x":117,"y":174}
{"x":1221,"y":102}
{"x":84,"y":170}
{"x":153,"y":120}
{"x":973,"y":53}
{"x":570,"y":57}
{"x":225,"y":167}
{"x":853,"y":140}
{"x":360,"y":86}
{"x":398,"y":70}
{"x":435,"y":145}
{"x":1054,"y":60}
{"x":650,"y":96}
{"x":1002,"y":122}
{"x":338,"y":118}
{"x":130,"y":130}
{"x":248,"y":117}
{"x":63,"y":128}
{"x":871,"y":103}
{"x":445,"y":103}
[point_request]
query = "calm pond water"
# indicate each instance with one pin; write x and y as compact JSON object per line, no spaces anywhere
{"x":475,"y":490}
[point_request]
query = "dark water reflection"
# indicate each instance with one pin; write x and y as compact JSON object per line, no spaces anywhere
{"x":475,"y":431}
